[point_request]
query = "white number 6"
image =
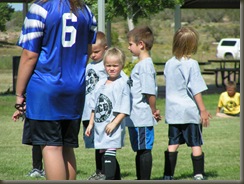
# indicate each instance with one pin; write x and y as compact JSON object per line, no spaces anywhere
{"x":68,"y":30}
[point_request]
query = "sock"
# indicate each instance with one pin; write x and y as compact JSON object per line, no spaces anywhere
{"x":170,"y":163}
{"x":98,"y":157}
{"x":37,"y":157}
{"x":111,"y":165}
{"x":143,"y":164}
{"x":198,"y":164}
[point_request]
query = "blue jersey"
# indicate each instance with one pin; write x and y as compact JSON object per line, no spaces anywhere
{"x":56,"y":89}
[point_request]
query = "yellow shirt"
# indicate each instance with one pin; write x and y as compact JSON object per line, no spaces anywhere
{"x":231,"y":105}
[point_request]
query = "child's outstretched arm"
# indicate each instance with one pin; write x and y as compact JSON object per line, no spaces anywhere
{"x":116,"y":121}
{"x":152,"y":103}
{"x":17,"y":114}
{"x":90,"y":125}
{"x":205,"y":115}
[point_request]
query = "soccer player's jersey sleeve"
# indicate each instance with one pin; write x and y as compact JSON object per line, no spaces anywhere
{"x":122,"y":98}
{"x":196,"y":82}
{"x":32,"y":30}
{"x":93,"y":28}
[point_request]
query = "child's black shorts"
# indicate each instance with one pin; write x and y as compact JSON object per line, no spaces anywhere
{"x":51,"y":133}
{"x":191,"y":134}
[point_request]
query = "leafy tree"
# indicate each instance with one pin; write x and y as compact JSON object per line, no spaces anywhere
{"x":131,"y":10}
{"x":5,"y":12}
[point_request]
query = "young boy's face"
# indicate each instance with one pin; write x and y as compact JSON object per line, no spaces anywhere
{"x":98,"y":51}
{"x":133,"y":47}
{"x":113,"y":67}
{"x":231,"y":91}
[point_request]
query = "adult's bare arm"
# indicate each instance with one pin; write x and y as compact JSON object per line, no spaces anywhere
{"x":27,"y":64}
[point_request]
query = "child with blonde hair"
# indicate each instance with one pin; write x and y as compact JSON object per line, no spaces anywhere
{"x":110,"y":104}
{"x":185,"y":112}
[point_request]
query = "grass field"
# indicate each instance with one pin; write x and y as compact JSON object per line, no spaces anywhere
{"x":221,"y":148}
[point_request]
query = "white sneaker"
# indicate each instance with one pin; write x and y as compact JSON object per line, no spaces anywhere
{"x":198,"y":177}
{"x":36,"y":173}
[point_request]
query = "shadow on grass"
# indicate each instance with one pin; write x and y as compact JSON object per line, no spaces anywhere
{"x":187,"y":176}
{"x":125,"y":174}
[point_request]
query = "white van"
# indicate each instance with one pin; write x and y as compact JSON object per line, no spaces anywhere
{"x":228,"y":48}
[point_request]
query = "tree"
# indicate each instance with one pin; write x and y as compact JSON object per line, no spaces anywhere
{"x":131,"y":10}
{"x":5,"y":12}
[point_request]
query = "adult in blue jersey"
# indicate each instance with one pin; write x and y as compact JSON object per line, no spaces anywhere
{"x":55,"y":39}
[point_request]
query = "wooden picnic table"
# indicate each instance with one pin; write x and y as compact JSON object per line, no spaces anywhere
{"x":225,"y":71}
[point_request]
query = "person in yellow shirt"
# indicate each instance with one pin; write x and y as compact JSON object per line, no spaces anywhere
{"x":229,"y":102}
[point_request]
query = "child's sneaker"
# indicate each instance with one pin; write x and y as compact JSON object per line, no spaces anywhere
{"x":198,"y":177}
{"x":36,"y":173}
{"x":97,"y":176}
{"x":168,"y":178}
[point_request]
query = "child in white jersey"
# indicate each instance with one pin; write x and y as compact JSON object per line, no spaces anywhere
{"x":110,"y":104}
{"x":95,"y":71}
{"x":185,"y":112}
{"x":144,"y":114}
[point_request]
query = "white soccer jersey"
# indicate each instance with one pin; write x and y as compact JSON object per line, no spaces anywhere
{"x":95,"y":71}
{"x":142,"y":81}
{"x":107,"y":101}
{"x":183,"y":81}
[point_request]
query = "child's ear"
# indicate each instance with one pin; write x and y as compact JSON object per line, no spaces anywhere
{"x":141,"y":44}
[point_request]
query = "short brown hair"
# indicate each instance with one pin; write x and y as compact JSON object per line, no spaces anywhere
{"x":230,"y":84}
{"x":142,"y":33}
{"x":185,"y":42}
{"x":101,"y":38}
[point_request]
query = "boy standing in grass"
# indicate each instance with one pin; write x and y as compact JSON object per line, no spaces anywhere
{"x":229,"y":102}
{"x":95,"y":71}
{"x":185,"y":112}
{"x":144,"y":114}
{"x":110,"y":104}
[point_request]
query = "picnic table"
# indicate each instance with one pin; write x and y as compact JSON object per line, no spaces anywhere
{"x":224,"y":70}
{"x":163,"y":63}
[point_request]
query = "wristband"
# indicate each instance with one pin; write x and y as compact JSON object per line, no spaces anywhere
{"x":20,"y":107}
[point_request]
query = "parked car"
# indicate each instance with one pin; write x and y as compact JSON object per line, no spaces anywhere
{"x":228,"y":48}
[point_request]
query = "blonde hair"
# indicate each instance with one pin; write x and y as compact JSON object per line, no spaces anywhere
{"x":185,"y":42}
{"x":113,"y":51}
{"x":142,"y":33}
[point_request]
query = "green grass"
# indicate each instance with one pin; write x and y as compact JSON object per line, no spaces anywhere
{"x":221,"y":148}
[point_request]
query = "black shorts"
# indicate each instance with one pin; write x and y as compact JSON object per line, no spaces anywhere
{"x":191,"y":134}
{"x":51,"y":133}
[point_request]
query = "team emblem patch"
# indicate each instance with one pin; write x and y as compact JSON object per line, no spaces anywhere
{"x":91,"y":80}
{"x":103,"y":108}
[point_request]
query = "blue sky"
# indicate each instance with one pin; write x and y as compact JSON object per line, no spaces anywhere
{"x":17,"y":6}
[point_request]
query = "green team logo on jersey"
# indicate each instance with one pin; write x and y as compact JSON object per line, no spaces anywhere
{"x":103,"y":108}
{"x":91,"y":80}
